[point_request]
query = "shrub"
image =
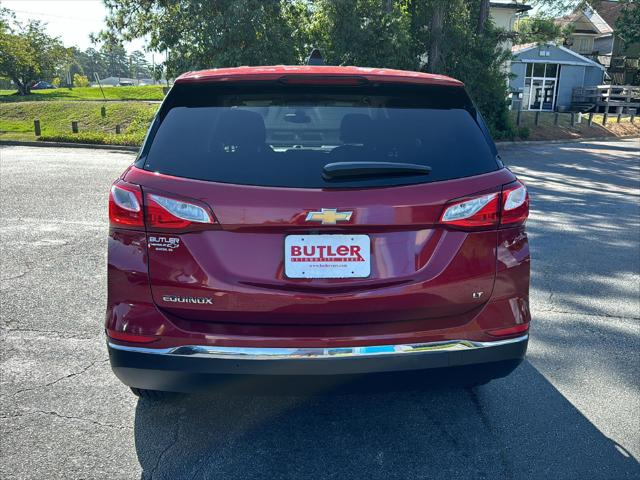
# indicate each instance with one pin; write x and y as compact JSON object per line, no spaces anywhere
{"x":80,"y":80}
{"x":524,"y":132}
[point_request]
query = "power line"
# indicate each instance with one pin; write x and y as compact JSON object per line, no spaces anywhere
{"x":52,"y":15}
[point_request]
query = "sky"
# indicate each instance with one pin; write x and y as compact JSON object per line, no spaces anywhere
{"x":71,"y":20}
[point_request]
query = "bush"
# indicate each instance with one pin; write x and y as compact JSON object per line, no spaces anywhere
{"x":130,"y":139}
{"x":80,"y":80}
{"x":524,"y":132}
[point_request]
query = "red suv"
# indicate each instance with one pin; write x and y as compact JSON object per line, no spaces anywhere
{"x":315,"y":221}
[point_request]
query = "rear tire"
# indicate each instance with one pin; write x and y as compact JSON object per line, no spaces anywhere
{"x":154,"y":395}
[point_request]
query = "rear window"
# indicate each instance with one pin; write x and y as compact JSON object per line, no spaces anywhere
{"x":273,"y":135}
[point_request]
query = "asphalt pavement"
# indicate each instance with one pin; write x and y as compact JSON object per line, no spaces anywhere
{"x":570,"y":411}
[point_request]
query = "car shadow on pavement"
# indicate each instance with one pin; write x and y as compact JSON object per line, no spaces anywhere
{"x":517,"y":427}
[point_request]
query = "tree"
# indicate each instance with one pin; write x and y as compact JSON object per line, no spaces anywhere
{"x":452,"y":37}
{"x":139,"y":66}
{"x":94,"y":63}
{"x":538,"y":29}
{"x":628,"y":23}
{"x":374,"y":33}
{"x":483,"y":16}
{"x":27,"y":52}
{"x":436,"y":36}
{"x":116,"y":59}
{"x":208,"y":33}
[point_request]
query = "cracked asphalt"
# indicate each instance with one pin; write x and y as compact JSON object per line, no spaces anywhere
{"x":571,"y":411}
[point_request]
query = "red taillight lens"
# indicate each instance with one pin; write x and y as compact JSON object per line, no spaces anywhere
{"x":125,"y":205}
{"x":165,"y":212}
{"x":515,"y":204}
{"x":503,"y":332}
{"x":509,"y":207}
{"x":480,"y":211}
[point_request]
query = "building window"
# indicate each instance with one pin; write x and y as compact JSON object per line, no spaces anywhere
{"x":540,"y":86}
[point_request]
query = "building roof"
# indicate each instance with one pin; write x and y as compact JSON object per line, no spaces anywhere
{"x":518,"y":7}
{"x":320,"y":74}
{"x":579,"y":59}
{"x":589,"y":20}
{"x":609,"y":11}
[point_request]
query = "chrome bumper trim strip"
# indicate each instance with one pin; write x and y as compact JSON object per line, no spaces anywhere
{"x":257,"y":353}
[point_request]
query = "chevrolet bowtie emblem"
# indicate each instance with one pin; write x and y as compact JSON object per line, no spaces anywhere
{"x":328,"y":216}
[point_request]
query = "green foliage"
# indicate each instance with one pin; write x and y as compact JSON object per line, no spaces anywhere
{"x":27,"y":52}
{"x":538,"y":29}
{"x":373,"y":33}
{"x":210,"y":33}
{"x":524,"y":133}
{"x":80,"y":80}
{"x":628,"y":23}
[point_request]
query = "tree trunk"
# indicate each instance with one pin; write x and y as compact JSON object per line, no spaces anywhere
{"x":23,"y":88}
{"x":483,"y":16}
{"x":435,"y":29}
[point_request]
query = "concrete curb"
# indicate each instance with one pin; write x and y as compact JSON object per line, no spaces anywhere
{"x":126,"y":148}
{"x":96,"y":146}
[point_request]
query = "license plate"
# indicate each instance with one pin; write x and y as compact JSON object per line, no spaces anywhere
{"x":327,"y":256}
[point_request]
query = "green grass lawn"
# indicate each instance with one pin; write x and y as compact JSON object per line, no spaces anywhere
{"x":16,"y":121}
{"x":87,"y":93}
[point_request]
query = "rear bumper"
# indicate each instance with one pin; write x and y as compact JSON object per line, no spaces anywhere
{"x":191,"y":368}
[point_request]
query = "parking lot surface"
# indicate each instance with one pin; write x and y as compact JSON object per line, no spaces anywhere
{"x":570,"y":411}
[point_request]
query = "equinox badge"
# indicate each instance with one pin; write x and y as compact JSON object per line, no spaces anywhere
{"x":328,"y":216}
{"x":178,"y":299}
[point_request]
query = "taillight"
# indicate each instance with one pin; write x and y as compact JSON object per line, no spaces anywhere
{"x":125,"y":205}
{"x":515,"y":204}
{"x":481,"y":211}
{"x":509,"y":207}
{"x":165,"y":212}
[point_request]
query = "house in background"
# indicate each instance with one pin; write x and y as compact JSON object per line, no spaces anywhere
{"x":505,"y":15}
{"x":595,"y":37}
{"x":544,"y":76}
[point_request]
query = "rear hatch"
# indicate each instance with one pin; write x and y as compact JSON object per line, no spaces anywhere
{"x":316,"y":204}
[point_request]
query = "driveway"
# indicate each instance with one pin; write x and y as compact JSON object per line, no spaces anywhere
{"x":571,"y":411}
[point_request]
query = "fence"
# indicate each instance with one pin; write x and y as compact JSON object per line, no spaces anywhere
{"x":622,"y":98}
{"x":573,"y":119}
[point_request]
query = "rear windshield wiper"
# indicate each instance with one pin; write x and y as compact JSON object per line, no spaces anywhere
{"x":341,"y":170}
